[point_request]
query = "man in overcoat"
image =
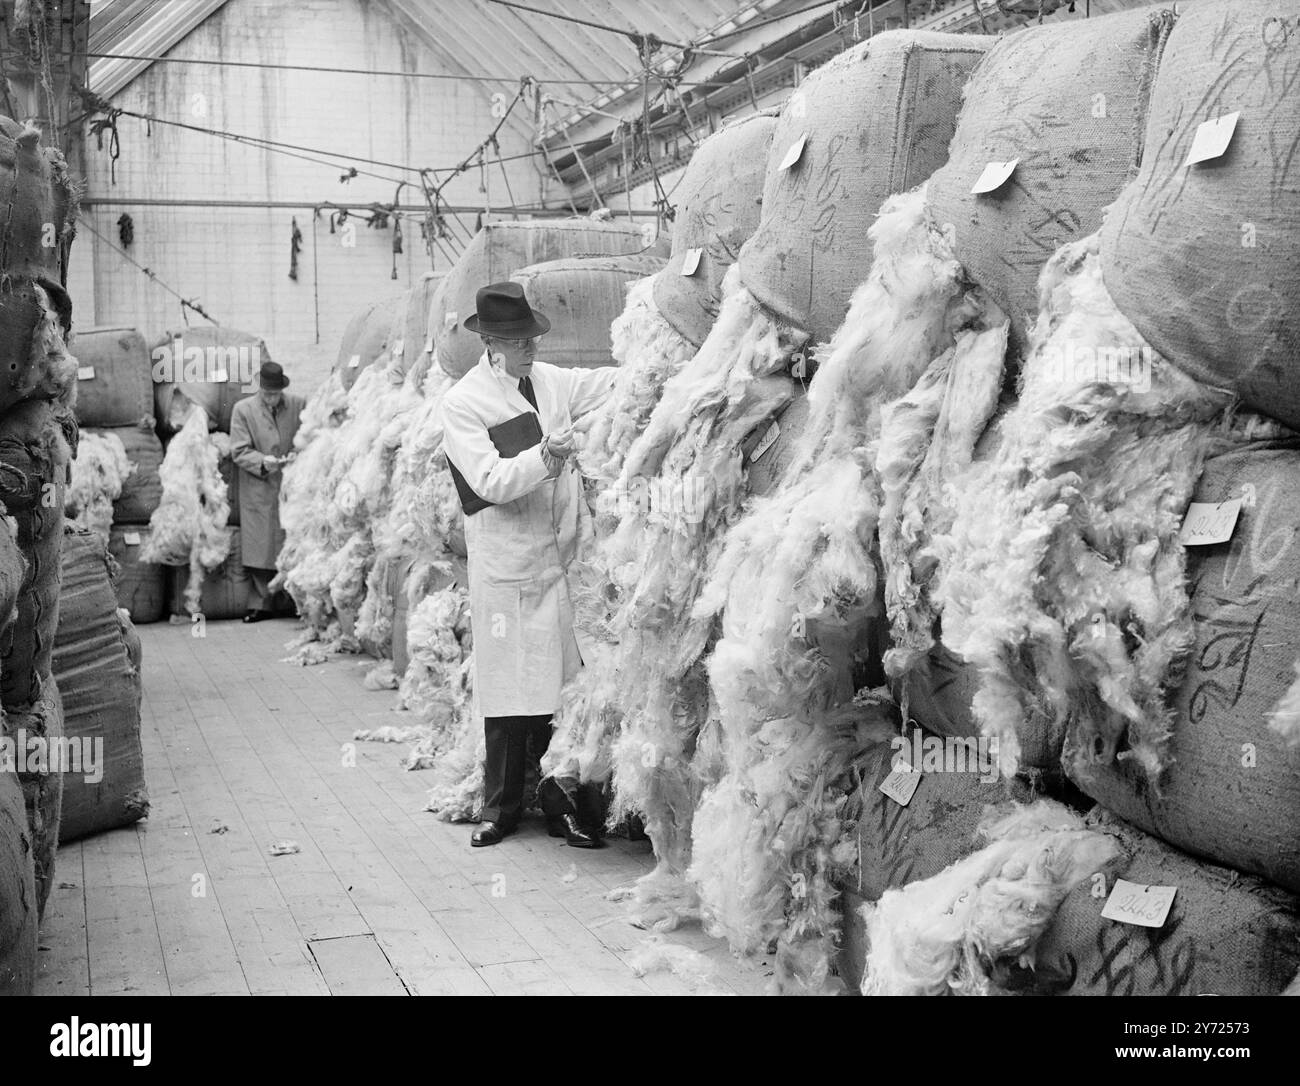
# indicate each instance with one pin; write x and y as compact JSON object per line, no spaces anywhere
{"x":508,"y":436}
{"x":262,"y":430}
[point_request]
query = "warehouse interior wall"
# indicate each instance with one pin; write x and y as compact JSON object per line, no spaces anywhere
{"x":235,"y":261}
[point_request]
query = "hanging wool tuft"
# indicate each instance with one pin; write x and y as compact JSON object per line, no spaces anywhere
{"x":1286,"y":717}
{"x":189,"y":525}
{"x":99,"y":469}
{"x":946,"y":935}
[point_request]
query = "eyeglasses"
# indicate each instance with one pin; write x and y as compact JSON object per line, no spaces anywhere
{"x":518,"y":344}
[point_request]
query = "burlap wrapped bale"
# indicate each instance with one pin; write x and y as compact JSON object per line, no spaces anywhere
{"x":1070,"y":102}
{"x":34,"y":458}
{"x":495,"y":254}
{"x":1232,"y":790}
{"x":1225,"y":934}
{"x":1205,"y":259}
{"x":40,"y":725}
{"x":368,"y":335}
{"x":35,"y":317}
{"x":36,"y":189}
{"x":225,"y":589}
{"x":718,"y":208}
{"x":766,"y":471}
{"x":212,"y":367}
{"x":18,"y":912}
{"x":114,"y":378}
{"x":416,"y":332}
{"x":876,"y":121}
{"x":101,"y":693}
{"x":141,"y":586}
{"x":142,"y":489}
{"x":581,"y":297}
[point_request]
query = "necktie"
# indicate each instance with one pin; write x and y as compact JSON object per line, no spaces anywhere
{"x":526,"y":387}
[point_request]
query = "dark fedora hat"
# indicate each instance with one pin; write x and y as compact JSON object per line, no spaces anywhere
{"x":271,"y":376}
{"x":504,"y":312}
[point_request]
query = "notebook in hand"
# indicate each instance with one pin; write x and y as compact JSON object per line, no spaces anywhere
{"x":511,"y":437}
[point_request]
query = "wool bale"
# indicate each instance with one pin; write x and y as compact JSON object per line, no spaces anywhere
{"x":101,"y":690}
{"x":1232,"y":790}
{"x":498,"y":251}
{"x":582,"y":297}
{"x":213,"y":367}
{"x":1205,"y":259}
{"x":766,"y":469}
{"x":141,"y":586}
{"x":370,"y":334}
{"x":1226,"y":934}
{"x":37,"y":732}
{"x":35,"y":317}
{"x":114,"y":382}
{"x":142,"y":489}
{"x":18,"y":911}
{"x":225,"y":588}
{"x":1069,"y":102}
{"x":36,"y":189}
{"x":34,"y":457}
{"x":718,"y":208}
{"x":874,"y":121}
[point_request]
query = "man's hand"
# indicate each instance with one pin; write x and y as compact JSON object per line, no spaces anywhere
{"x":271,"y":464}
{"x":560,"y":443}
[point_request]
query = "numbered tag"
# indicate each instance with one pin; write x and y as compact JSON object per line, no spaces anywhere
{"x":131,"y":539}
{"x":449,"y":321}
{"x":1208,"y":523}
{"x":1134,"y":903}
{"x":85,"y":373}
{"x":428,"y":345}
{"x":795,"y":153}
{"x":1212,"y":139}
{"x":220,"y":377}
{"x":995,"y":175}
{"x":768,"y":440}
{"x":691,"y":262}
{"x":354,"y":361}
{"x":399,"y":348}
{"x":901,"y":784}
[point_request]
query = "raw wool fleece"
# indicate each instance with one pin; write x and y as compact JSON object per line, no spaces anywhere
{"x":1072,"y":600}
{"x":189,"y":525}
{"x":946,"y":935}
{"x":1286,"y":717}
{"x":51,"y":371}
{"x":98,"y":472}
{"x":689,"y":462}
{"x":796,"y":585}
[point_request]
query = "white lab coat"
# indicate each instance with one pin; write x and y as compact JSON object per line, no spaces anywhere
{"x":521,"y":548}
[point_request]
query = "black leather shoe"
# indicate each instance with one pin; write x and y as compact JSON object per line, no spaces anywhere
{"x":568,"y":827}
{"x":255,"y":616}
{"x":490,"y":833}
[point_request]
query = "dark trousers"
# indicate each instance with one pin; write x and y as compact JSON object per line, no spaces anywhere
{"x":506,"y":763}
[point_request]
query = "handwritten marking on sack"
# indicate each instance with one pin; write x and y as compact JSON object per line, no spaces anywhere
{"x":1137,"y":903}
{"x":1229,"y":648}
{"x":1124,"y":950}
{"x":1212,"y":139}
{"x":995,"y":175}
{"x":1209,"y":522}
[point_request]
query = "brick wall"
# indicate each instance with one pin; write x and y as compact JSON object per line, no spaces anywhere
{"x":236,"y":260}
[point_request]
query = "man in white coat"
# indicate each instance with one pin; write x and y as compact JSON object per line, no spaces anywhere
{"x":508,"y":436}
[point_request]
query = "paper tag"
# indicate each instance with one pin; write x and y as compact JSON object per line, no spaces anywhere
{"x":85,"y":373}
{"x":901,"y":784}
{"x":354,"y":361}
{"x":131,"y":539}
{"x":449,"y":321}
{"x":428,"y":345}
{"x":995,"y":175}
{"x":773,"y":432}
{"x":1134,"y":903}
{"x":691,"y":263}
{"x":1208,"y":522}
{"x":399,"y":348}
{"x":793,"y":155}
{"x":1212,"y":139}
{"x":220,"y":377}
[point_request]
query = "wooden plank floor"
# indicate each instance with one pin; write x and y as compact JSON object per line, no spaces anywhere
{"x":242,"y":752}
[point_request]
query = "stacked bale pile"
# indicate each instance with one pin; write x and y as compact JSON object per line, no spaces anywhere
{"x":1073,"y":632}
{"x":37,"y":436}
{"x":116,"y":485}
{"x":196,"y":526}
{"x":100,"y":685}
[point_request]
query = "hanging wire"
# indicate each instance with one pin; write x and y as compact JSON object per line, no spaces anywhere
{"x":191,"y":304}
